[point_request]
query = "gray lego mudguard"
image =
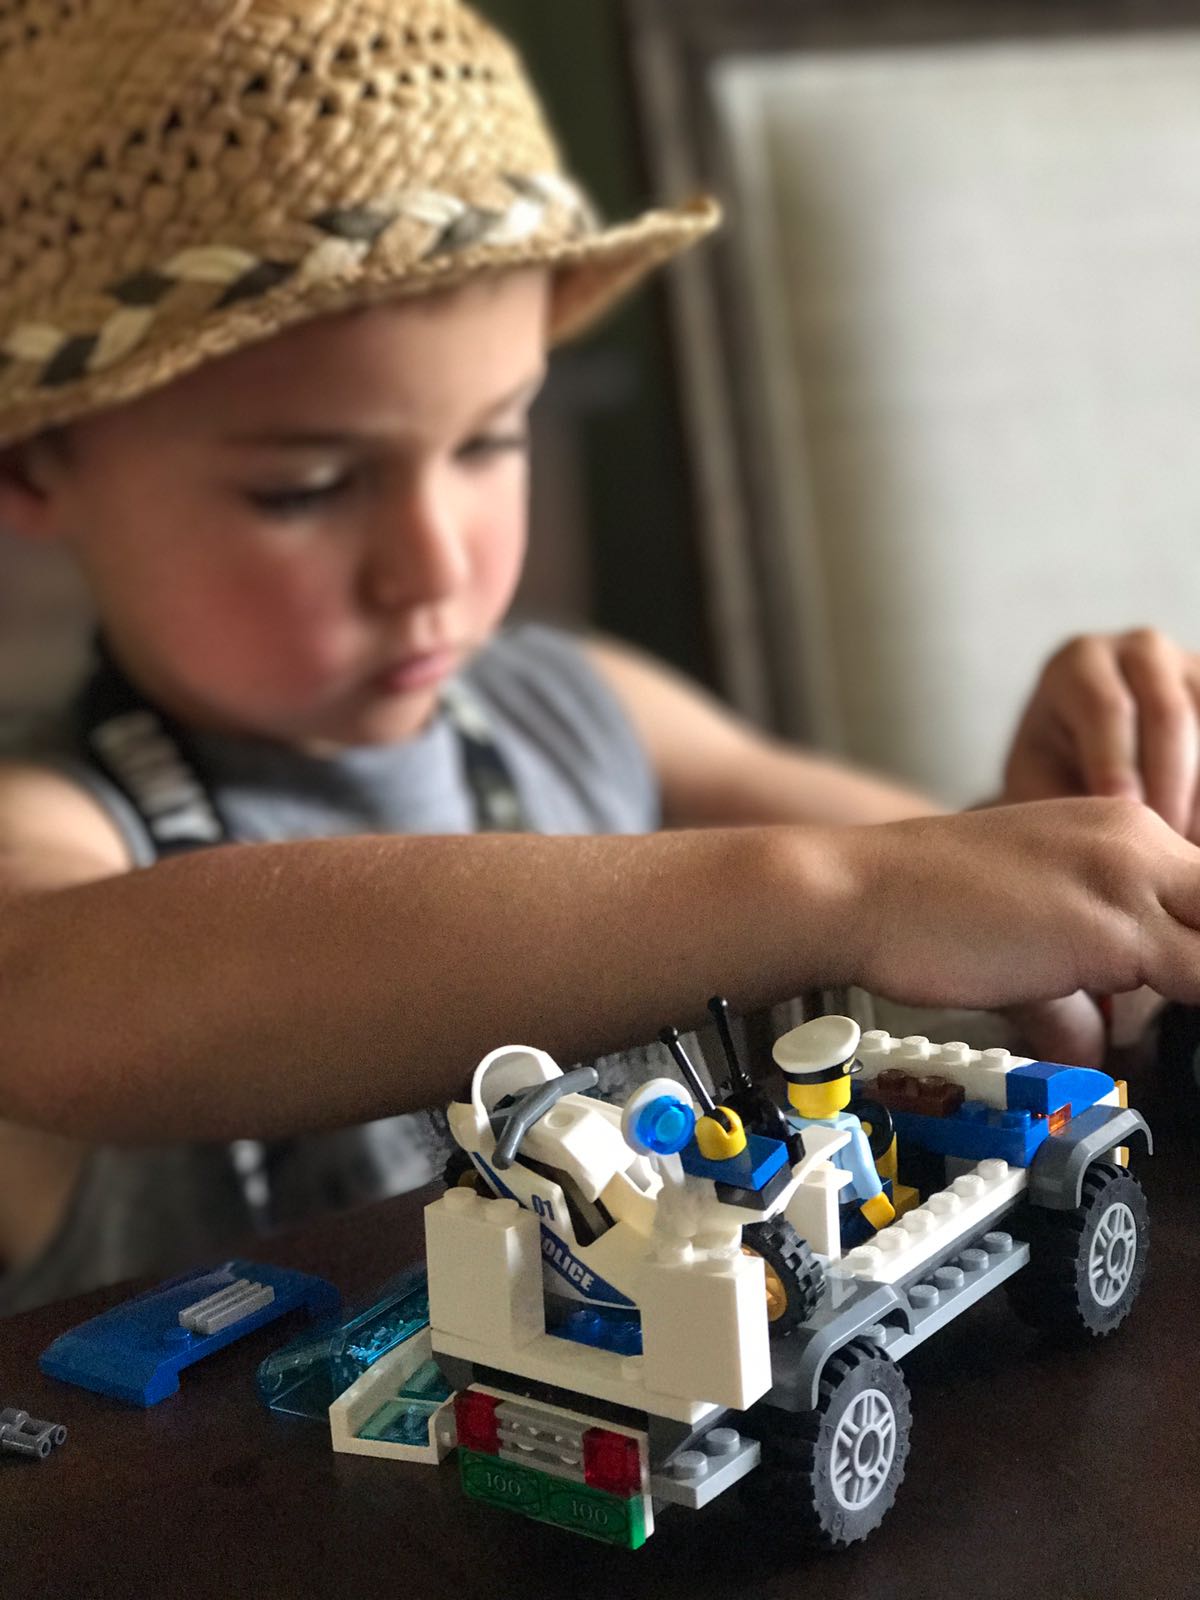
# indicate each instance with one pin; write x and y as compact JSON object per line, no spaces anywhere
{"x":1056,"y":1171}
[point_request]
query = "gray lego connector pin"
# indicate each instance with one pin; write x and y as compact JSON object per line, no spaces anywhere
{"x":23,"y":1435}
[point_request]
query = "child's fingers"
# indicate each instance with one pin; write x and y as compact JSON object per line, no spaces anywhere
{"x":1168,"y":753}
{"x":1071,"y":1029}
{"x":1091,"y":698}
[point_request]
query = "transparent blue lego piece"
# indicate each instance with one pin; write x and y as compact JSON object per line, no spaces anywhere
{"x":665,"y":1125}
{"x":136,"y":1351}
{"x":306,"y":1377}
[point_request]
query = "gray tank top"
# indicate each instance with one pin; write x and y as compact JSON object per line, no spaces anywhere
{"x":578,"y":768}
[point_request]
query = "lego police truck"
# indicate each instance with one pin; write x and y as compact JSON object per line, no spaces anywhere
{"x":640,"y":1306}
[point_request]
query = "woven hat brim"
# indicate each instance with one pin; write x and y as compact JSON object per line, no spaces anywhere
{"x":591,"y":274}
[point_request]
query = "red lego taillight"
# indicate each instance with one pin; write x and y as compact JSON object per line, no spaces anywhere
{"x":478,"y":1424}
{"x":610,"y":1461}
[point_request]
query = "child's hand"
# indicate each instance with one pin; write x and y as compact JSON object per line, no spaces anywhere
{"x":1114,"y":715}
{"x":1000,"y":907}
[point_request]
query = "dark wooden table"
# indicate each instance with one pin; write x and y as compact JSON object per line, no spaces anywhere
{"x":1033,"y":1472}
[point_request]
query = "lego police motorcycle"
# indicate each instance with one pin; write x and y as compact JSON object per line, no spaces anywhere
{"x":611,"y":1185}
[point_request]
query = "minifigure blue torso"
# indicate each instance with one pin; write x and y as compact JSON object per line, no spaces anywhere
{"x":854,"y":1158}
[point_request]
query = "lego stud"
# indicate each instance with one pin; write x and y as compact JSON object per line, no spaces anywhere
{"x":915,"y":1048}
{"x":722,"y":1442}
{"x":924,"y":1296}
{"x":973,"y":1260}
{"x":997,"y":1244}
{"x":690,"y":1466}
{"x":949,"y":1277}
{"x":955,"y":1054}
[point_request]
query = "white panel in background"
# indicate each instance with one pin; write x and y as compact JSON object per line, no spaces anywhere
{"x":981,"y":265}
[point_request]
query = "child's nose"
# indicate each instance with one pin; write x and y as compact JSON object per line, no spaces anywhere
{"x":418,"y":555}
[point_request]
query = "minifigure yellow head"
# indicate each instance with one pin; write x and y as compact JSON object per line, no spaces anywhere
{"x":817,"y":1059}
{"x":820,"y":1099}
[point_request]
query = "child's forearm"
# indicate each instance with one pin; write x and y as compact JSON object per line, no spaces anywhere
{"x":261,"y":989}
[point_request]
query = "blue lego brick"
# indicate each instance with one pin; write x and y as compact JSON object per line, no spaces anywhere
{"x":136,"y":1351}
{"x":1044,"y":1086}
{"x":976,"y":1132}
{"x":619,"y":1331}
{"x":753,"y":1169}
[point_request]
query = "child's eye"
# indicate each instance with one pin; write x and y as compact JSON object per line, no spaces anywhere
{"x":296,"y":502}
{"x":487,"y":445}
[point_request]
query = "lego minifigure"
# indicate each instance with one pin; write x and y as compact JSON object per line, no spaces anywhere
{"x":817,"y":1059}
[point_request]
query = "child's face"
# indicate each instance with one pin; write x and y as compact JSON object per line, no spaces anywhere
{"x":304,"y":539}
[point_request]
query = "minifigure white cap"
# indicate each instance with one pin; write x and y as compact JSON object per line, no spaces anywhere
{"x":818,"y":1051}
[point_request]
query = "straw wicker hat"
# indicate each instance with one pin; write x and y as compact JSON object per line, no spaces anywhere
{"x":179,"y":178}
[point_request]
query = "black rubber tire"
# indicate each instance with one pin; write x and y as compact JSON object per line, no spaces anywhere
{"x":1085,"y":1266}
{"x":829,"y":1477}
{"x":877,"y":1125}
{"x":800,"y":1276}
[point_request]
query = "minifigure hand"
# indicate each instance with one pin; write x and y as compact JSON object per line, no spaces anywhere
{"x":1115,"y":715}
{"x":879,"y":1211}
{"x":719,"y":1141}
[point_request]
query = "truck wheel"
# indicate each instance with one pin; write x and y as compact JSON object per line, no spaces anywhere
{"x":830,"y":1476}
{"x":1085,"y":1266}
{"x":795,"y":1278}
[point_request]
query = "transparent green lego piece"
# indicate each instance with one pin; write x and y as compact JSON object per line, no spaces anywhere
{"x":401,"y":1421}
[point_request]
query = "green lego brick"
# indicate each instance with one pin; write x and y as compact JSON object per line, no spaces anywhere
{"x":592,"y":1512}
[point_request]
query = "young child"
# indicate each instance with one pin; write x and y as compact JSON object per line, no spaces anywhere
{"x":277,"y":281}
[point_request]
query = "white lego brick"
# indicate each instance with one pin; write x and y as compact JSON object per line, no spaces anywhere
{"x":704,"y":1328}
{"x":981,"y":1073}
{"x":587,"y":1147}
{"x":485,"y":1268}
{"x":814,"y":1209}
{"x":380,"y":1383}
{"x":579,"y":1369}
{"x":945,"y":1218}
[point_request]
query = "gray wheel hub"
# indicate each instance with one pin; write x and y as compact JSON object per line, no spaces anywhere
{"x":1113,"y":1254}
{"x":864,"y":1449}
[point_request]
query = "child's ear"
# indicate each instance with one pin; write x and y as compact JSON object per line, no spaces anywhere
{"x":28,"y":473}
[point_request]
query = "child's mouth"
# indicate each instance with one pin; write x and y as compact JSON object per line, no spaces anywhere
{"x":415,"y":671}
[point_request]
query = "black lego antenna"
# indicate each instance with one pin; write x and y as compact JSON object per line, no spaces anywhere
{"x":670,"y":1037}
{"x":740,"y":1080}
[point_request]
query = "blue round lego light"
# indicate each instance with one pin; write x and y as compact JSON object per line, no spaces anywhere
{"x":665,"y":1125}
